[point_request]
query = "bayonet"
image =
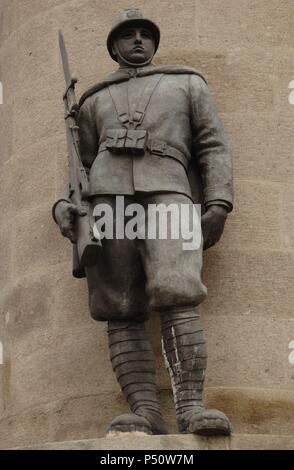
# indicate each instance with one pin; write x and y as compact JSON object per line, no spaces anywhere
{"x":87,"y":245}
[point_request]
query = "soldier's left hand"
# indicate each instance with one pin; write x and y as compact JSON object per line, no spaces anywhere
{"x":213,"y":222}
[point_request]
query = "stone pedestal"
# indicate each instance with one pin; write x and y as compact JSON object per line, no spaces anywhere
{"x":129,"y":441}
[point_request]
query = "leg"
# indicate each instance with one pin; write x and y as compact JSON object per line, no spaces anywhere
{"x":173,"y":272}
{"x":174,"y":288}
{"x":117,"y":295}
{"x":185,"y":356}
{"x":116,"y":283}
{"x":133,"y":363}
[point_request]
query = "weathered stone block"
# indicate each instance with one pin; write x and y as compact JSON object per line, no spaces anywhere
{"x":230,"y":75}
{"x":33,"y":118}
{"x":261,"y":146}
{"x":248,"y":282}
{"x":287,"y":223}
{"x":26,"y":428}
{"x":255,"y":410}
{"x":86,"y":416}
{"x":283,"y":76}
{"x":27,"y":9}
{"x":8,"y":70}
{"x":37,"y":244}
{"x":7,"y":18}
{"x":246,"y":351}
{"x":6,"y":130}
{"x":5,"y":256}
{"x":71,"y":300}
{"x":33,"y":168}
{"x":27,"y":309}
{"x":137,"y":441}
{"x":255,"y":221}
{"x":67,"y":364}
{"x":262,"y":442}
{"x":246,"y":23}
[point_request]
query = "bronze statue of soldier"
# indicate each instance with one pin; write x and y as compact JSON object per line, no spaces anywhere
{"x":145,"y":133}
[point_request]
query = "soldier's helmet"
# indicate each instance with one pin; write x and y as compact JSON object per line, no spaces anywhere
{"x":131,"y":17}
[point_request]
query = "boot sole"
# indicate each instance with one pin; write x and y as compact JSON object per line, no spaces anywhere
{"x":210,"y":427}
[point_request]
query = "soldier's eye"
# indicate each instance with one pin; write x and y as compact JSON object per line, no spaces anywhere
{"x":127,"y":35}
{"x":146,"y":34}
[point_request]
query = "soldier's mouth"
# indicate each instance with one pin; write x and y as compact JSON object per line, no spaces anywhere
{"x":138,"y":49}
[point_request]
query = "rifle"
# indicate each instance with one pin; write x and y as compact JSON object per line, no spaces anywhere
{"x":88,"y":246}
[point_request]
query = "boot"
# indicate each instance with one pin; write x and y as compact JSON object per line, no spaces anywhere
{"x":185,"y":356}
{"x":133,"y":363}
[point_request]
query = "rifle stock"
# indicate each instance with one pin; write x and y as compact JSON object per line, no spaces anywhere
{"x":88,"y":246}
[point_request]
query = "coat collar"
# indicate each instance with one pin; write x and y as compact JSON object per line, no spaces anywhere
{"x":125,"y":74}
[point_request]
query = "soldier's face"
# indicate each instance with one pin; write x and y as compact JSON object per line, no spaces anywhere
{"x":135,"y":46}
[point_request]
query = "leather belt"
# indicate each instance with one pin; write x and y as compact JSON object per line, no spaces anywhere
{"x":158,"y":147}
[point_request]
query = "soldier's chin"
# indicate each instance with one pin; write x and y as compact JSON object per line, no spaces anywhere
{"x":138,"y":58}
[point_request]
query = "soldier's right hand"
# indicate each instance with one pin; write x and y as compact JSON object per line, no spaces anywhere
{"x":65,"y":214}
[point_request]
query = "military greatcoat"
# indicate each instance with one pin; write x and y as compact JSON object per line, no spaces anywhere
{"x":184,"y":141}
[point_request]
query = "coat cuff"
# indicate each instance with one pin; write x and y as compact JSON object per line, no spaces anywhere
{"x":222,"y":193}
{"x":219,"y":202}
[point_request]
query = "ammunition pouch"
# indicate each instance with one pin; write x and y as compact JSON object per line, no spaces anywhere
{"x":129,"y":139}
{"x":136,"y":142}
{"x":132,"y":141}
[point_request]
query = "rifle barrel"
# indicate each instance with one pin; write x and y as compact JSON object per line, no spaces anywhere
{"x":64,"y":58}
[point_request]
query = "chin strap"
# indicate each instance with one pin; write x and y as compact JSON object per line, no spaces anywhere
{"x":132,"y":64}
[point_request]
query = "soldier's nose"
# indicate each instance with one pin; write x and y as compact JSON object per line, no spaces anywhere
{"x":138,"y":39}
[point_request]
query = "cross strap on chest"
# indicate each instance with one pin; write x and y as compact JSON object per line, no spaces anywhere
{"x":121,"y":104}
{"x":130,"y":138}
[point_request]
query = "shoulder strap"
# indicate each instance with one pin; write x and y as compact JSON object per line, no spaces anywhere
{"x":121,"y":103}
{"x":145,"y":98}
{"x":119,"y":98}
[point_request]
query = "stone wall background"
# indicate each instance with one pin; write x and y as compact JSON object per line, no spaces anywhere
{"x":56,"y":381}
